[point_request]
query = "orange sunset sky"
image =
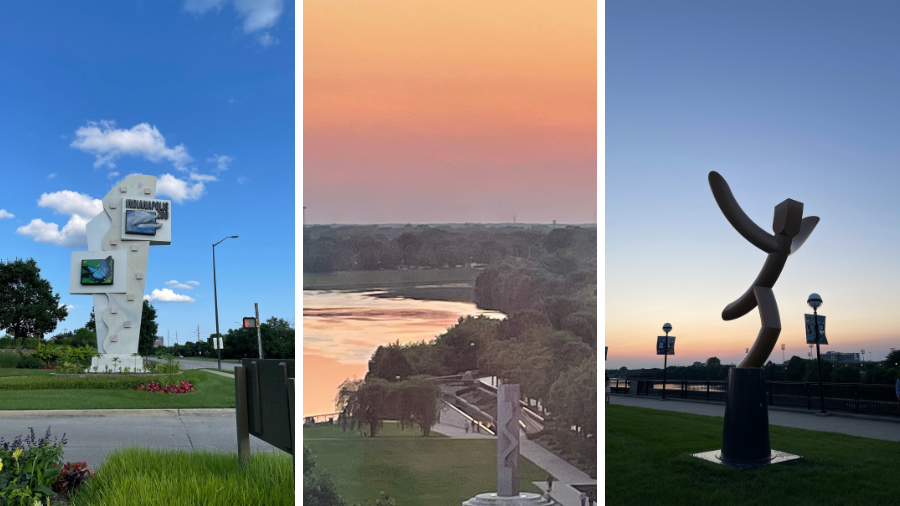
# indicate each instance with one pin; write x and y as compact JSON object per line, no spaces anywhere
{"x":461,"y":111}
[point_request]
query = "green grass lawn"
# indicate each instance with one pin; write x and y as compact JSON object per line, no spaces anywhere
{"x":229,"y":371}
{"x":157,"y":477}
{"x":648,"y":461}
{"x":6,"y":373}
{"x":433,"y":471}
{"x":211,"y":391}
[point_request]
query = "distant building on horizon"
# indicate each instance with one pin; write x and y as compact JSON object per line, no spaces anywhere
{"x":158,"y":343}
{"x":838,"y":357}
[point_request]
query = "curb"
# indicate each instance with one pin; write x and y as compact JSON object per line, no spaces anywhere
{"x":76,"y":413}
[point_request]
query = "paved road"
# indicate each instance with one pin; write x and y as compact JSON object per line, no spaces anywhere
{"x":201,"y":364}
{"x":874,"y":429}
{"x":92,"y":438}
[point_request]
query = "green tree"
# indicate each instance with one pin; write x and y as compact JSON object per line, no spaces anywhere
{"x":148,"y":329}
{"x":84,"y":336}
{"x":364,"y":403}
{"x":92,"y":323}
{"x":713,"y":361}
{"x":28,"y":305}
{"x":419,"y":399}
{"x":318,"y":489}
{"x":389,"y":362}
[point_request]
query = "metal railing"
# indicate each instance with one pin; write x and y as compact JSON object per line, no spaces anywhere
{"x":619,"y":385}
{"x":849,"y":397}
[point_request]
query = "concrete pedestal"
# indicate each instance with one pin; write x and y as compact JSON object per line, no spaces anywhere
{"x":105,"y":361}
{"x":523,"y":499}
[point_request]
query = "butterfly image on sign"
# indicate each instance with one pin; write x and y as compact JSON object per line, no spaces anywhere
{"x":97,"y":272}
{"x":141,"y":222}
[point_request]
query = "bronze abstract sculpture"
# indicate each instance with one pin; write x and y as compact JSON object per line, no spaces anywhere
{"x":745,"y":435}
{"x":791,"y":231}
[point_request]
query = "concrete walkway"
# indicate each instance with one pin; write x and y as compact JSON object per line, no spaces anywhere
{"x":200,"y":364}
{"x":873,"y":429}
{"x":452,"y":423}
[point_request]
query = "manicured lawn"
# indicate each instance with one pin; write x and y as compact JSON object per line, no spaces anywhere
{"x":648,"y":461}
{"x":211,"y":391}
{"x":229,"y":371}
{"x":433,"y":471}
{"x":6,"y":373}
{"x":151,"y":477}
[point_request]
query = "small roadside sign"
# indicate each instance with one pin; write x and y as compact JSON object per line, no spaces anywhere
{"x":661,"y":345}
{"x":811,"y":329}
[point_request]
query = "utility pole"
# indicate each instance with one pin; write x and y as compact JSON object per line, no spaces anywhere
{"x":258,"y":331}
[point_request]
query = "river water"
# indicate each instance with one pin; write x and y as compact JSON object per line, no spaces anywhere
{"x":342,"y":329}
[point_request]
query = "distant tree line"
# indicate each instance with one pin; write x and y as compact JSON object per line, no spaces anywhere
{"x":350,"y":248}
{"x":277,"y":340}
{"x":796,"y":369}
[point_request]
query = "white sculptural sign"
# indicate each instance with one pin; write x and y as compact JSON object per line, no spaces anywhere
{"x":114,"y":269}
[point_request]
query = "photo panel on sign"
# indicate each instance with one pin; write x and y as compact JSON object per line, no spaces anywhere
{"x":98,"y":272}
{"x":811,"y":330}
{"x":147,"y":220}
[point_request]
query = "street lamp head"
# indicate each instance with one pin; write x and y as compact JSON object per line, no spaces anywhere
{"x":234,"y":237}
{"x":814,"y":301}
{"x":667,"y":328}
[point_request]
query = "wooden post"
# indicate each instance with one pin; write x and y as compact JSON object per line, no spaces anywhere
{"x":258,"y":331}
{"x":241,"y":414}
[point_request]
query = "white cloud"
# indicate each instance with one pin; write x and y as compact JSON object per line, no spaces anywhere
{"x":51,"y":176}
{"x":180,"y":286}
{"x":222,"y":161}
{"x":80,"y":207}
{"x":6,"y":214}
{"x":257,"y":14}
{"x":242,"y":179}
{"x":205,"y":178}
{"x":72,"y":203}
{"x":179,"y":189}
{"x":68,"y":307}
{"x":112,"y":174}
{"x":166,"y":295}
{"x":108,"y":143}
{"x":195,"y":283}
{"x":265,"y":39}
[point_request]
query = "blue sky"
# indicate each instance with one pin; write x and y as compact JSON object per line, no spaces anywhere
{"x":785,"y":100}
{"x":199,"y":93}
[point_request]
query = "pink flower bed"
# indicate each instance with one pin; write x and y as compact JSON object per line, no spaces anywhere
{"x":182,"y":388}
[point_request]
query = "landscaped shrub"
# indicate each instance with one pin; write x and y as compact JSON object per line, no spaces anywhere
{"x":29,"y":467}
{"x":31,"y":343}
{"x":6,"y":342}
{"x":72,"y":476}
{"x":28,"y":363}
{"x":8,"y":360}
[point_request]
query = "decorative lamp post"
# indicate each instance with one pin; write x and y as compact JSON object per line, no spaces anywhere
{"x":666,"y":328}
{"x":814,"y":302}
{"x":216,"y":298}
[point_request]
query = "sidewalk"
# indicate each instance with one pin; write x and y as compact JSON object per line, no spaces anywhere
{"x":873,"y":429}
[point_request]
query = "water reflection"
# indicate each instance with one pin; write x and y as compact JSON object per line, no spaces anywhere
{"x":342,"y":329}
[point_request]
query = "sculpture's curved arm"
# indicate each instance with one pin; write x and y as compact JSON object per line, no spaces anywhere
{"x":737,"y":217}
{"x":806,"y":227}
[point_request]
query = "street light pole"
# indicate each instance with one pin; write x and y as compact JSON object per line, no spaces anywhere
{"x":666,"y":328}
{"x":815,"y":301}
{"x":216,"y":298}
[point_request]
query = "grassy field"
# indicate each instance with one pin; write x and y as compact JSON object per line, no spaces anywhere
{"x":152,"y":477}
{"x":211,"y":391}
{"x":648,"y":461}
{"x":434,"y":471}
{"x":7,"y":373}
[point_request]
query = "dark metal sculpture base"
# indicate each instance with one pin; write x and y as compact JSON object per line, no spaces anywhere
{"x":745,"y":437}
{"x":776,"y":457}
